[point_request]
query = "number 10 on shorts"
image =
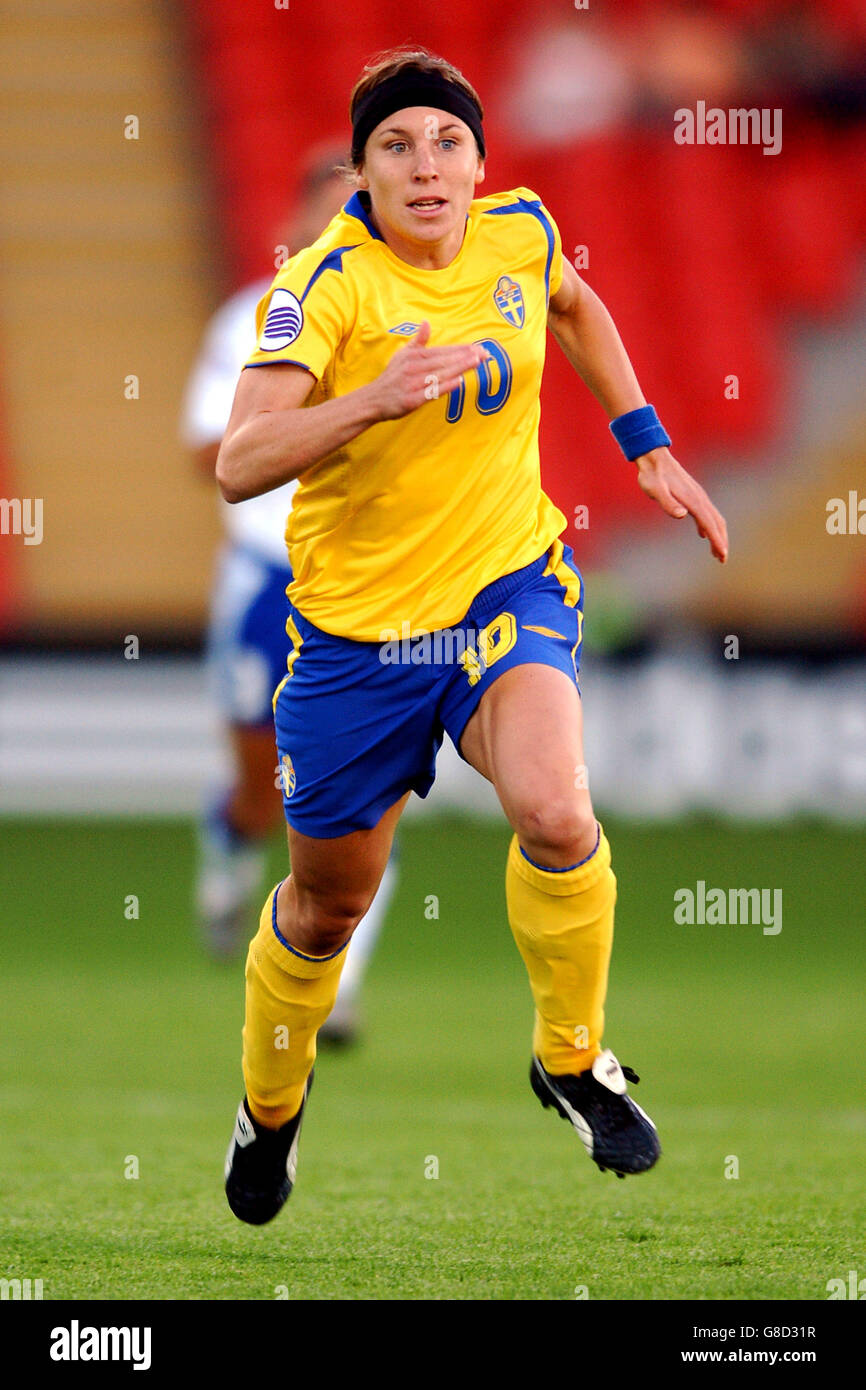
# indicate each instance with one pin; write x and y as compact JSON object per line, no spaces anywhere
{"x":493,"y":642}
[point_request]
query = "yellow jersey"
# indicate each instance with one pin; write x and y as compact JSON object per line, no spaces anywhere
{"x":400,"y":528}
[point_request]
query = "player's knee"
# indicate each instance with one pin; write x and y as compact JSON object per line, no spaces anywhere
{"x":560,"y":832}
{"x":327,"y":920}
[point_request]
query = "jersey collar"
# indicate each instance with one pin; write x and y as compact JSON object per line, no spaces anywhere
{"x":355,"y":208}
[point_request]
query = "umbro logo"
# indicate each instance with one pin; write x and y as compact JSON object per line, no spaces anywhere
{"x":405,"y":330}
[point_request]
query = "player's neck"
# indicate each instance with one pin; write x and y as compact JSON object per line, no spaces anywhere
{"x":430,"y":255}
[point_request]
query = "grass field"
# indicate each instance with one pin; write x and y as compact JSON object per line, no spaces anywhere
{"x":120,"y":1042}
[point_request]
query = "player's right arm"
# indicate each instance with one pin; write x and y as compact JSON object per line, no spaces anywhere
{"x":271,"y":438}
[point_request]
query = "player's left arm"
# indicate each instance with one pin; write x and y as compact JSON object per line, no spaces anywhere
{"x":588,"y":336}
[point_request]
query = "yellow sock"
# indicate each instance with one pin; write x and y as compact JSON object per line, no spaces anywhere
{"x":288,"y":997}
{"x":563,"y":925}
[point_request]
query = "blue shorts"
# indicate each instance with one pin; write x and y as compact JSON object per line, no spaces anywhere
{"x":360,"y":723}
{"x":247,"y":643}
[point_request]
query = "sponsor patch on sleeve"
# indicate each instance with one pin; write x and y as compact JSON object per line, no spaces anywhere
{"x":283,"y":322}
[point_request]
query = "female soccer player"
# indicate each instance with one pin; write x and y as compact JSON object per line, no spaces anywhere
{"x":397,"y":376}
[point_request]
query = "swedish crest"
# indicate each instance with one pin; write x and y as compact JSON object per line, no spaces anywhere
{"x":508,"y":298}
{"x":287,"y":775}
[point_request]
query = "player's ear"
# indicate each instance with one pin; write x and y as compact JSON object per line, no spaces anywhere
{"x":361,"y":180}
{"x":479,"y":172}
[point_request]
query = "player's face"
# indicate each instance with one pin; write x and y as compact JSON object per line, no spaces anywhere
{"x":421,"y":167}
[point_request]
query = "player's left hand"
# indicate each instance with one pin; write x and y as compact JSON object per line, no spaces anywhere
{"x":678,"y":494}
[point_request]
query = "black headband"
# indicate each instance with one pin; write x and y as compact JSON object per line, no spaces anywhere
{"x":413,"y":88}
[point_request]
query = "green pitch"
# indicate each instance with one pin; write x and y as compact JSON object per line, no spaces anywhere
{"x":120,"y":1056}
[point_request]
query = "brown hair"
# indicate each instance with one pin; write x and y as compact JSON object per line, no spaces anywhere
{"x":403,"y":59}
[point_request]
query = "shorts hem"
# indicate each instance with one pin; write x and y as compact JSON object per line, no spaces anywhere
{"x":370,"y":816}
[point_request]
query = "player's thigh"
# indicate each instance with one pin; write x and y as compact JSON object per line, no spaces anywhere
{"x":526,"y":737}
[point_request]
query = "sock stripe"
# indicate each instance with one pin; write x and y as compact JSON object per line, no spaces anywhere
{"x":314,"y":960}
{"x":546,"y":869}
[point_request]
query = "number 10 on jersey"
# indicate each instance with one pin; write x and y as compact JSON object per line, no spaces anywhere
{"x":489,"y":398}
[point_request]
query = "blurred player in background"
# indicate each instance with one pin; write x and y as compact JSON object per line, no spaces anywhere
{"x":247,"y":645}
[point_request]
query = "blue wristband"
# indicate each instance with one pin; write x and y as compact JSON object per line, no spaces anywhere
{"x":638,"y":431}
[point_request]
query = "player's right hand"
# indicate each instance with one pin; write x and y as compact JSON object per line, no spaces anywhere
{"x":680,"y":495}
{"x":417,"y":374}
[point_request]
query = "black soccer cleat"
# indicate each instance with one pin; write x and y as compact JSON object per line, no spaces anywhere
{"x":261,"y":1164}
{"x":615,"y":1132}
